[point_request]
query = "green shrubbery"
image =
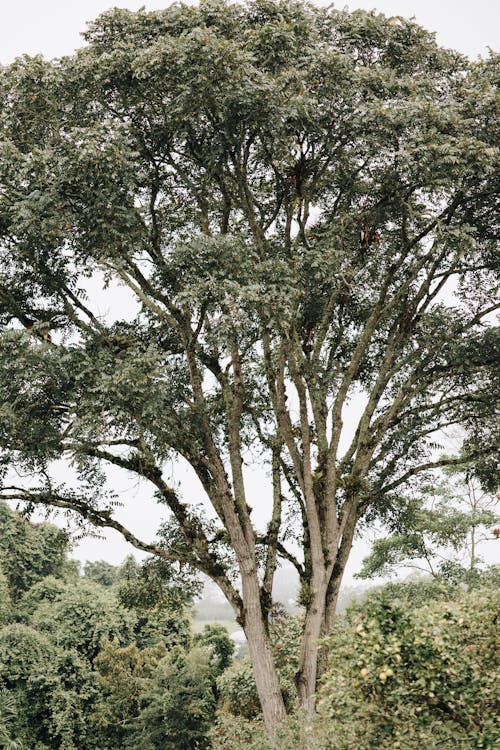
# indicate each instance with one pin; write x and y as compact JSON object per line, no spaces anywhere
{"x":79,"y":670}
{"x":411,"y":677}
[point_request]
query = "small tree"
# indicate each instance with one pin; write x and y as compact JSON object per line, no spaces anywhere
{"x":299,"y":203}
{"x":179,"y":707}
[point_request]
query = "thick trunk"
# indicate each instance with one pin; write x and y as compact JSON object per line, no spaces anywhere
{"x":306,"y":677}
{"x":264,"y":669}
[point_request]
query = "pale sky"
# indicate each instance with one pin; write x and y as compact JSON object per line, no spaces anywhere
{"x":52,"y":28}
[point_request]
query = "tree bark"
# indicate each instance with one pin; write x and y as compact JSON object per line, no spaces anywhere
{"x":306,"y":676}
{"x":264,"y":669}
{"x":332,"y":591}
{"x":331,"y":600}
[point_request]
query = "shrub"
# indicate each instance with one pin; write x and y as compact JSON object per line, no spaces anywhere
{"x":411,"y":678}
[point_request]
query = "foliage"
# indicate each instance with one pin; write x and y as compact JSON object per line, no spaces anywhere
{"x":238,"y":691}
{"x":8,"y":718}
{"x":161,"y":604}
{"x":440,"y":532}
{"x":83,"y":617}
{"x":412,"y":665}
{"x":125,"y":674}
{"x":5,"y":600}
{"x":52,"y":689}
{"x":29,"y":553}
{"x":101,"y":572}
{"x":154,"y":583}
{"x":406,"y":677}
{"x":237,"y":733}
{"x":179,"y":708}
{"x":46,"y":590}
{"x":78,"y":671}
{"x":215,"y":639}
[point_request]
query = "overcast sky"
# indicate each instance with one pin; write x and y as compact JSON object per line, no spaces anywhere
{"x":53,"y":27}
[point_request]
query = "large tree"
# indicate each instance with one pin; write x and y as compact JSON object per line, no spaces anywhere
{"x":300,"y":203}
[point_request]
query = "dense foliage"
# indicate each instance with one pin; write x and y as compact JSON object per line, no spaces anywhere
{"x":81,"y":671}
{"x":410,"y":665}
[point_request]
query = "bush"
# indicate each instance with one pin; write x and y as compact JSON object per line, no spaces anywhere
{"x":410,"y":678}
{"x":237,"y":733}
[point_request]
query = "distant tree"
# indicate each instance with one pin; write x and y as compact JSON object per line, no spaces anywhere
{"x":157,"y":698}
{"x":101,"y":572}
{"x":29,"y":552}
{"x":46,"y":590}
{"x":215,"y":639}
{"x":83,"y":617}
{"x":29,"y":675}
{"x":439,"y":532}
{"x":78,"y":658}
{"x":162,"y":609}
{"x":300,"y":203}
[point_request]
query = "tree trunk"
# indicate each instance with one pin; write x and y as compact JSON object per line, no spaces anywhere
{"x":264,"y":669}
{"x":306,"y":676}
{"x":332,"y":592}
{"x":320,"y":616}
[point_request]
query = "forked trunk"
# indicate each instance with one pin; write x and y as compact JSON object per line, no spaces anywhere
{"x":319,"y":622}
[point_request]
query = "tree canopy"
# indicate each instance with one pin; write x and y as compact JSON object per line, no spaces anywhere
{"x":300,"y":203}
